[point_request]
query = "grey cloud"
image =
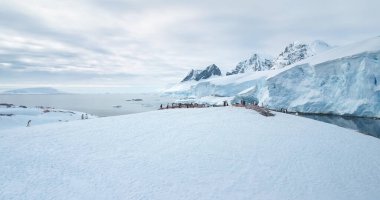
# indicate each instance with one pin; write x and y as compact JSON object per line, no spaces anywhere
{"x":26,"y":23}
{"x":118,"y":6}
{"x":165,"y":48}
{"x":33,"y":77}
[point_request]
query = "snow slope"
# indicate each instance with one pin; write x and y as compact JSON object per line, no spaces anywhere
{"x":211,"y":153}
{"x":343,"y":80}
{"x":37,"y":90}
{"x":18,"y":116}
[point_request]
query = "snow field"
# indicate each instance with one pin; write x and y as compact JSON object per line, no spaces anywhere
{"x":210,"y":153}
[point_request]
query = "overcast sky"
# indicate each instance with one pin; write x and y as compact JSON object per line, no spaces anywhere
{"x":141,"y":45}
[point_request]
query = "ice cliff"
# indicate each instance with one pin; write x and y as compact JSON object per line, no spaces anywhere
{"x":343,"y":80}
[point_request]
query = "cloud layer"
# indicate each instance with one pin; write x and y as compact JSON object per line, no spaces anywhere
{"x":141,"y":43}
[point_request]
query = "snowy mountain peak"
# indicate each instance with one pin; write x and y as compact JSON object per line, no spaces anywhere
{"x":211,"y":70}
{"x":293,"y":52}
{"x":297,"y":51}
{"x":255,"y":63}
{"x":319,"y":46}
{"x":191,"y":75}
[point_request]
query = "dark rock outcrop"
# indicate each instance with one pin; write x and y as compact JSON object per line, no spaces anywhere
{"x":197,"y":75}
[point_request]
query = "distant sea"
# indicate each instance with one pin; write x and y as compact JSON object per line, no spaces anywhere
{"x":101,"y":105}
{"x":104,"y":105}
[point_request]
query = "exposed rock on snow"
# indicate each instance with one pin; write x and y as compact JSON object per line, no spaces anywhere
{"x":293,"y":53}
{"x":298,"y":51}
{"x":255,"y":63}
{"x":211,"y":153}
{"x":12,"y":116}
{"x":342,"y":80}
{"x":197,"y":75}
{"x":36,"y":90}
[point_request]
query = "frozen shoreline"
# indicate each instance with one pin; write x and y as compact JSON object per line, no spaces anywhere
{"x":13,"y":116}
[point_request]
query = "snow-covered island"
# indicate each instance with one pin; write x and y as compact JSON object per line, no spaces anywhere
{"x":34,"y":90}
{"x":307,"y":78}
{"x":208,"y":153}
{"x":13,"y":116}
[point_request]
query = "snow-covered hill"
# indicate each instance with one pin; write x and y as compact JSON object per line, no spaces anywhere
{"x":36,"y":90}
{"x":12,"y":116}
{"x":197,"y":75}
{"x":211,"y":153}
{"x":343,"y":80}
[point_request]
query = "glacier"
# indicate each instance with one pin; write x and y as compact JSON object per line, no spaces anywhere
{"x":342,"y":80}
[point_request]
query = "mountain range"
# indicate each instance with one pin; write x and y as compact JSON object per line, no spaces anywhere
{"x":292,"y":53}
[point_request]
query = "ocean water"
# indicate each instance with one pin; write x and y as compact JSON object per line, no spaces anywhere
{"x":101,"y":105}
{"x":104,"y":105}
{"x":367,"y":126}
